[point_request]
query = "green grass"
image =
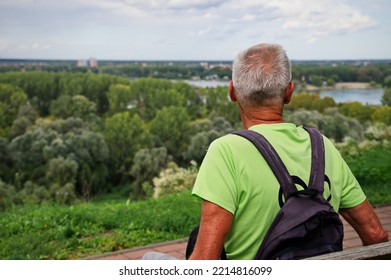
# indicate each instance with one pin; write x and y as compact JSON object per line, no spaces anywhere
{"x":372,"y":168}
{"x":72,"y":232}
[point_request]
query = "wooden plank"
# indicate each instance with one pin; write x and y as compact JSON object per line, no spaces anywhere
{"x":381,"y":251}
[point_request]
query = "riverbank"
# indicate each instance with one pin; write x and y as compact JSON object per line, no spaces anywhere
{"x":340,"y":86}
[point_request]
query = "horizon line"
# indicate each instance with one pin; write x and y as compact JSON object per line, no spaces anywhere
{"x":181,"y":60}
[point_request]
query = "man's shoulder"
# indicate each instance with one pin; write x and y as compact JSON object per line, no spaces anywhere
{"x":229,"y":140}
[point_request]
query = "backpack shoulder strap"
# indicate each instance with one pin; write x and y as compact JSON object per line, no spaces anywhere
{"x":274,"y":161}
{"x":317,"y":160}
{"x":279,"y":169}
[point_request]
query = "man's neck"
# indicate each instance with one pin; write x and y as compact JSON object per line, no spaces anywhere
{"x":261,"y":115}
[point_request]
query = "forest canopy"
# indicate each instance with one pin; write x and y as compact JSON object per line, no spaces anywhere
{"x":69,"y":136}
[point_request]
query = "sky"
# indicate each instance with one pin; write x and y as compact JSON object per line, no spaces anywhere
{"x":193,"y":29}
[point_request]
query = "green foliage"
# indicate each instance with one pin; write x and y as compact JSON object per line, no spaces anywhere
{"x":171,"y":128}
{"x":382,"y":114}
{"x":6,"y":162}
{"x":310,"y":102}
{"x":81,"y":230}
{"x":204,"y":133}
{"x":120,"y":97}
{"x":151,"y":95}
{"x":88,"y":144}
{"x":174,"y":179}
{"x":61,"y":176}
{"x":330,"y":82}
{"x":7,"y":195}
{"x":316,"y":80}
{"x":39,"y":153}
{"x":372,"y":169}
{"x":77,"y":106}
{"x":199,"y":144}
{"x":218,"y":104}
{"x":386,"y":98}
{"x":147,"y":164}
{"x":331,"y":124}
{"x":356,"y":110}
{"x":380,"y":133}
{"x":11,"y":98}
{"x":342,"y":73}
{"x":42,"y":88}
{"x":124,"y":135}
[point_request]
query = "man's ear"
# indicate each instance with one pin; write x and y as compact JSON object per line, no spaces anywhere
{"x":232,"y":91}
{"x":288,"y":92}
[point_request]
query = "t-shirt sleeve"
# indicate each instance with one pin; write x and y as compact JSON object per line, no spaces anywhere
{"x":215,"y":181}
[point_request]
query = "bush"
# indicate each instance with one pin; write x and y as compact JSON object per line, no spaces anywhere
{"x":332,"y":124}
{"x":7,"y":193}
{"x":382,"y":114}
{"x":174,"y":179}
{"x":372,"y":167}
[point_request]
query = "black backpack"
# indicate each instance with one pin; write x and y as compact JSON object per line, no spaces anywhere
{"x":306,"y":224}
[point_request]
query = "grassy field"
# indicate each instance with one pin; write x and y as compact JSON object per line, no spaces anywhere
{"x":72,"y":232}
{"x":372,"y":169}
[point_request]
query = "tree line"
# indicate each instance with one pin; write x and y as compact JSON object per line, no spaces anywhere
{"x":313,"y":74}
{"x":70,"y":136}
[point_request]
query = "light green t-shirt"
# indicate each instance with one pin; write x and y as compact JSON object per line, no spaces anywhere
{"x":235,"y":176}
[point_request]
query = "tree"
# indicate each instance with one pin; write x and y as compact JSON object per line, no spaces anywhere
{"x":11,"y":98}
{"x":218,"y":104}
{"x":43,"y":149}
{"x":199,"y":144}
{"x":317,"y":80}
{"x":61,"y":175}
{"x":7,"y":195}
{"x":124,"y":135}
{"x":147,"y":164}
{"x":77,"y":106}
{"x":171,"y":128}
{"x":151,"y":95}
{"x":386,"y":99}
{"x":330,"y":82}
{"x":119,"y":97}
{"x":6,"y":162}
{"x":382,"y":114}
{"x":331,"y":123}
{"x":356,"y":110}
{"x":310,"y":101}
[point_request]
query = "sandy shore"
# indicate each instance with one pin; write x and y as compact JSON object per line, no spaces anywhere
{"x":340,"y":86}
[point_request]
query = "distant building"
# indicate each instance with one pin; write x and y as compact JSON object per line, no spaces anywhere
{"x":205,"y":65}
{"x":82,"y":63}
{"x":92,"y":62}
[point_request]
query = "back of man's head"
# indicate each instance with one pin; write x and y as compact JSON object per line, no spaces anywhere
{"x":260,"y":75}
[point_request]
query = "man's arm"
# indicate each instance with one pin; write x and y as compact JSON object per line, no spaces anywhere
{"x":215,"y":225}
{"x":366,"y":223}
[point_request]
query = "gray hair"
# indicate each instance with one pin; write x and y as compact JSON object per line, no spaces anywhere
{"x":261,"y":74}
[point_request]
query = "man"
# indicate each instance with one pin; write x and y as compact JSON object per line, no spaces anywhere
{"x":239,"y":191}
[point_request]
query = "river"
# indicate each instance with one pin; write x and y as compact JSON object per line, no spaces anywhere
{"x":364,"y":96}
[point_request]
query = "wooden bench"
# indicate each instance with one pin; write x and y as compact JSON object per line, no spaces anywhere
{"x":381,"y":251}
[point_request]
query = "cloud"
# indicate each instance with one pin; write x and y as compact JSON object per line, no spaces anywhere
{"x":180,"y":24}
{"x":33,"y":47}
{"x":194,"y":4}
{"x":318,"y":19}
{"x":201,"y":32}
{"x":3,"y":46}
